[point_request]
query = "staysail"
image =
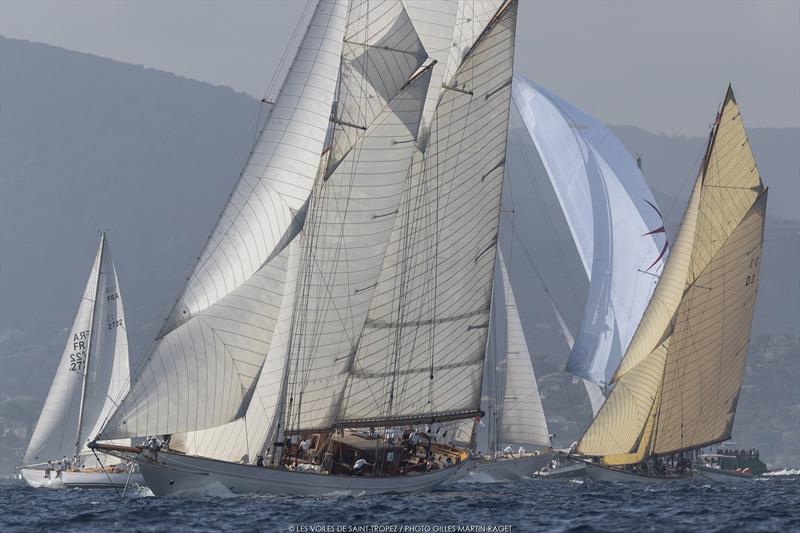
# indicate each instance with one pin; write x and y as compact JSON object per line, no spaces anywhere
{"x":92,"y":372}
{"x":203,"y":369}
{"x":678,"y":384}
{"x":612,"y":216}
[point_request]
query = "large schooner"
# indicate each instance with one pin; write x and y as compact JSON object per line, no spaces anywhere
{"x":677,"y":386}
{"x":341,"y":305}
{"x":91,"y":375}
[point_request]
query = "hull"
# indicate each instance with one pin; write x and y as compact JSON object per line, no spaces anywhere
{"x":601,"y":473}
{"x":84,"y":480}
{"x":721,"y":476}
{"x":512,"y":469}
{"x":570,"y":470}
{"x":172,"y":474}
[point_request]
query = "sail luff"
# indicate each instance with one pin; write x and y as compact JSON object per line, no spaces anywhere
{"x":92,"y":335}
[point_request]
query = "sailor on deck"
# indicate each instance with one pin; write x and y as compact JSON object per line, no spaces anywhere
{"x":508,"y":451}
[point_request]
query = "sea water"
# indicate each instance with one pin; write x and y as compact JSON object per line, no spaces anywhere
{"x":764,"y":504}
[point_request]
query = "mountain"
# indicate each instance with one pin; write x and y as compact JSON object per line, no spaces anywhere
{"x":88,"y":143}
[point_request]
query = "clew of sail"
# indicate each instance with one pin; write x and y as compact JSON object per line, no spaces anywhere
{"x":613,"y":219}
{"x":678,"y":384}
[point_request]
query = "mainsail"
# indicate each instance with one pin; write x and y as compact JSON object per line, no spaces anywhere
{"x":678,"y":384}
{"x":92,"y":372}
{"x":612,"y":216}
{"x":421,"y":353}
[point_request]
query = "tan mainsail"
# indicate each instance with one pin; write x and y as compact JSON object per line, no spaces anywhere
{"x":678,"y":383}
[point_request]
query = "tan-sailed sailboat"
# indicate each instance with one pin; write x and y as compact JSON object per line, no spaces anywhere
{"x":678,"y":384}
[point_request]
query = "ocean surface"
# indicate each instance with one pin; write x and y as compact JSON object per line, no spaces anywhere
{"x":766,"y":504}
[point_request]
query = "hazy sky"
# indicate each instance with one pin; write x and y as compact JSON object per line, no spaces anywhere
{"x":663,"y":66}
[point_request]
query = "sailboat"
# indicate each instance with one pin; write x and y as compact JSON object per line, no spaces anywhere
{"x":513,"y":407}
{"x":91,"y":374}
{"x":336,"y":292}
{"x":677,"y":386}
{"x":615,"y":225}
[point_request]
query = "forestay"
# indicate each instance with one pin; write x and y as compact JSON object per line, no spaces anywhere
{"x":422,"y":351}
{"x":612,"y":216}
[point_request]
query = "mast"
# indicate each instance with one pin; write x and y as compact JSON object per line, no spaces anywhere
{"x":91,"y":343}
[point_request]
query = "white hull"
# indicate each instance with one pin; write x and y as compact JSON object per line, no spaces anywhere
{"x":601,"y":473}
{"x":721,"y":476}
{"x":175,"y":474}
{"x":511,"y":469}
{"x":85,"y":480}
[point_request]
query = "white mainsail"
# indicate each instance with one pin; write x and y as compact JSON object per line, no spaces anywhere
{"x":522,"y":419}
{"x":421,"y":353}
{"x":678,"y":384}
{"x":613,"y":219}
{"x":204,"y":367}
{"x":92,"y":372}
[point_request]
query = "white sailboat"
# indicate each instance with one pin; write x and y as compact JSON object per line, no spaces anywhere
{"x":513,"y":407}
{"x":90,"y":377}
{"x":677,"y":386}
{"x":336,"y":292}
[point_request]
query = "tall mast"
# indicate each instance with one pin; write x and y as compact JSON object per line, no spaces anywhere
{"x":91,"y":342}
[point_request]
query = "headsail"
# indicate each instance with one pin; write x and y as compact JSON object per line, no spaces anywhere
{"x":203,"y":369}
{"x":678,"y":384}
{"x":522,"y":419}
{"x":92,"y":371}
{"x":613,"y":219}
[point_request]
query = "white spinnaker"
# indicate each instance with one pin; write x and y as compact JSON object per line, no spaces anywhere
{"x":56,"y":430}
{"x":613,"y":218}
{"x":381,"y":51}
{"x":203,"y":369}
{"x":522,"y":419}
{"x":423,"y":348}
{"x":350,"y":218}
{"x":109,"y":367}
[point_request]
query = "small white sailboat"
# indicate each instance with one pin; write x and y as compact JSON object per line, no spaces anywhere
{"x":91,"y":374}
{"x":677,"y":386}
{"x":516,"y":419}
{"x":337,"y":292}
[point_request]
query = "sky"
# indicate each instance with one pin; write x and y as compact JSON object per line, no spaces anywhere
{"x":660,"y":65}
